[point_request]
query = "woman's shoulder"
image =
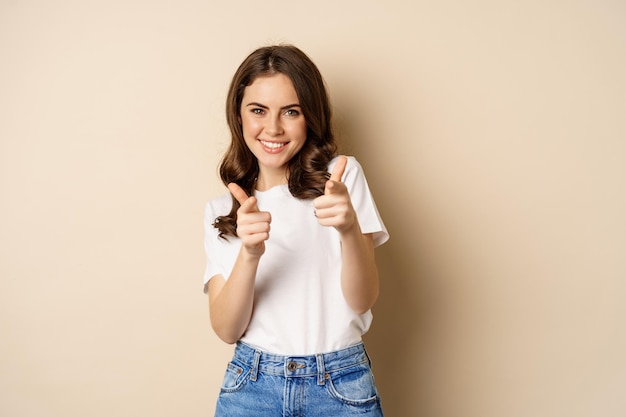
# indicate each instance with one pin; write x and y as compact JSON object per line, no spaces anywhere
{"x":219,"y":206}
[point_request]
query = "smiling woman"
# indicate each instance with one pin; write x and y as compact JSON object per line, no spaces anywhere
{"x":296,"y":296}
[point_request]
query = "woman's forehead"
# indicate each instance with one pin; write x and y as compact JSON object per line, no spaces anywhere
{"x":275,"y":89}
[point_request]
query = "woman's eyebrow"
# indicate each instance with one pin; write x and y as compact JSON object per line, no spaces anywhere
{"x":263,"y":106}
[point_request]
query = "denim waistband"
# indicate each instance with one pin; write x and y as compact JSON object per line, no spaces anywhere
{"x":300,"y":366}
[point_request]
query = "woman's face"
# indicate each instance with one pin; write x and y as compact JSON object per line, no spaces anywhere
{"x":273,"y":125}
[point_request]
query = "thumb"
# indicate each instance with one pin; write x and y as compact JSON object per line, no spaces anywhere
{"x":238,"y":192}
{"x":336,"y":175}
{"x":340,"y":167}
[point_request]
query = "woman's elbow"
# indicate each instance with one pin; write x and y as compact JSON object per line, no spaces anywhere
{"x":226,"y":335}
{"x":364,"y":304}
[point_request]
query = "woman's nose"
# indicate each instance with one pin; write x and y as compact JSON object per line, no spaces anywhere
{"x":273,"y":126}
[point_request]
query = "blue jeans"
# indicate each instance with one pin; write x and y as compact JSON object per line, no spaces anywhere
{"x":335,"y":384}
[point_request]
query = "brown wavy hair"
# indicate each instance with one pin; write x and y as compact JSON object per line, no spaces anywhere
{"x":308,"y":169}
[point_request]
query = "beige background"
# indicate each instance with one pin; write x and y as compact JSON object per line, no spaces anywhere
{"x":494,"y":138}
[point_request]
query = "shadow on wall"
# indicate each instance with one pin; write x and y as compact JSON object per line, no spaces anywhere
{"x":400,"y":341}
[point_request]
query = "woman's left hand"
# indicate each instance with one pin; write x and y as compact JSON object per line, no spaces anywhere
{"x":334,"y":208}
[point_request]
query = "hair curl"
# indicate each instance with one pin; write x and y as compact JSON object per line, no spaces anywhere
{"x":308,"y":169}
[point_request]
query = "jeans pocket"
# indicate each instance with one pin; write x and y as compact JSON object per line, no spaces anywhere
{"x":235,"y":377}
{"x":353,"y":386}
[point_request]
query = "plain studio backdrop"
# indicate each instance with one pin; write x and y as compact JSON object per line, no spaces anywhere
{"x":493,"y":135}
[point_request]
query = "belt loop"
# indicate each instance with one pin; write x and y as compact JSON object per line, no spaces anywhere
{"x":254,"y":372}
{"x":321,"y":370}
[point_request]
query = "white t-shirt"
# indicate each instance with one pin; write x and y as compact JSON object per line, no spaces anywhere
{"x":299,"y":307}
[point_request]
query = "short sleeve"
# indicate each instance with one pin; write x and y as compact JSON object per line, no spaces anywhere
{"x":212,"y":242}
{"x":363,"y":201}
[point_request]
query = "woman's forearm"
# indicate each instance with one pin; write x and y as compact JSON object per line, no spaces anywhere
{"x":231,"y":301}
{"x":359,"y":274}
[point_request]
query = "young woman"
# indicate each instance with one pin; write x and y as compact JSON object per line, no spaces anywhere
{"x":291,"y":273}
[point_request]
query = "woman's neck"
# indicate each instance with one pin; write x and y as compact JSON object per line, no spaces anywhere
{"x":267,"y":180}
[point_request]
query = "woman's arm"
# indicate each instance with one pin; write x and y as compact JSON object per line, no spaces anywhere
{"x":231,"y":301}
{"x":359,"y":274}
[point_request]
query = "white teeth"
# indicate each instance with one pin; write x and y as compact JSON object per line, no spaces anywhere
{"x":272,"y":145}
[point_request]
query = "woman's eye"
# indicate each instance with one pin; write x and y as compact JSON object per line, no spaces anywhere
{"x":292,"y":112}
{"x":257,"y":111}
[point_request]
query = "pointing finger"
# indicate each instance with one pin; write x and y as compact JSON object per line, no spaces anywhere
{"x":339,"y":168}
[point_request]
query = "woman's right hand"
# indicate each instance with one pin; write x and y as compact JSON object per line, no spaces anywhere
{"x":253,"y":226}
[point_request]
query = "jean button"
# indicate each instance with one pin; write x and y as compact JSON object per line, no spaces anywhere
{"x":291,"y":366}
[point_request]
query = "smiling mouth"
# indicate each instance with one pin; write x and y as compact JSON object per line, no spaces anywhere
{"x":273,"y":145}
